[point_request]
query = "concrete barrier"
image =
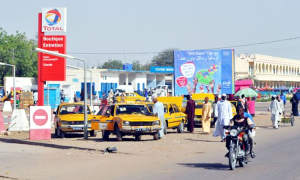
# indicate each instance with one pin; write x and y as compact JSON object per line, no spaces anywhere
{"x":19,"y":121}
{"x":7,"y":107}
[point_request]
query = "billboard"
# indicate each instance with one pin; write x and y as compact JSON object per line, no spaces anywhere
{"x":54,"y":19}
{"x":204,"y":71}
{"x":53,"y":68}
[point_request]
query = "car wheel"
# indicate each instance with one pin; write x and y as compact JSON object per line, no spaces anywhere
{"x":93,"y":133}
{"x":118,"y":132}
{"x":165,"y":127}
{"x":155,"y":136}
{"x":105,"y":135}
{"x":59,"y":133}
{"x":138,"y":137}
{"x":180,"y":128}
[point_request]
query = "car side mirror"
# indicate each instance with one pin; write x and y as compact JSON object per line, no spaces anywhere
{"x":54,"y":112}
{"x":107,"y":113}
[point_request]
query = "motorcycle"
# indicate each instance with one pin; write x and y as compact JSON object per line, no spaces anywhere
{"x":237,"y":151}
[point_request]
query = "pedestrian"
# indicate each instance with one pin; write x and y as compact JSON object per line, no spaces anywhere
{"x":123,"y":97}
{"x":224,"y":112}
{"x":275,"y":112}
{"x":75,"y":97}
{"x":110,"y":96}
{"x":18,"y":99}
{"x":158,"y":110}
{"x":82,"y":95}
{"x":215,"y":114}
{"x":283,"y":98}
{"x":281,"y":105}
{"x":146,"y":93}
{"x":244,"y":103}
{"x":206,"y":116}
{"x":190,"y":112}
{"x":294,"y":100}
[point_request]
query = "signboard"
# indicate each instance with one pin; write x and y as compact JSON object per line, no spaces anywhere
{"x":204,"y":71}
{"x":53,"y":67}
{"x":162,"y":69}
{"x":54,"y":19}
{"x":40,"y":122}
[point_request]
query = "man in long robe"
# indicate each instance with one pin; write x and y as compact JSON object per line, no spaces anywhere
{"x":190,"y":112}
{"x":158,"y":110}
{"x":206,"y":116}
{"x":275,"y":112}
{"x":224,"y":112}
{"x":294,"y":102}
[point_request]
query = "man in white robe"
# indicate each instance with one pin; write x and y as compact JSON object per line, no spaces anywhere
{"x":158,"y":110}
{"x":224,"y":112}
{"x":275,"y":112}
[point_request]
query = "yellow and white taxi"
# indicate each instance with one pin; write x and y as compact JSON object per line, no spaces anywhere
{"x":124,"y":119}
{"x":131,"y":97}
{"x":69,"y":117}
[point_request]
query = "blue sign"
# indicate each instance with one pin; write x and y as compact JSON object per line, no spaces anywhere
{"x":162,"y":69}
{"x":204,"y":71}
{"x":75,"y":80}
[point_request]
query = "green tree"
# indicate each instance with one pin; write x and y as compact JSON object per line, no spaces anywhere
{"x":112,"y":64}
{"x":136,"y":65}
{"x":19,"y":51}
{"x":164,"y":58}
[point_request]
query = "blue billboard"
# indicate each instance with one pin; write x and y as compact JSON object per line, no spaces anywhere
{"x":204,"y":71}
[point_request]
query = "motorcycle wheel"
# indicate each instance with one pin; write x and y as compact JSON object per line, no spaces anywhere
{"x":241,"y":163}
{"x":232,"y":157}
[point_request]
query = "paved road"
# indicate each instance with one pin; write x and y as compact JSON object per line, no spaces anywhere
{"x":263,"y":106}
{"x":277,"y":158}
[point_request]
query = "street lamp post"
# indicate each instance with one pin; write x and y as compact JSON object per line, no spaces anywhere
{"x":85,"y":97}
{"x":74,"y":67}
{"x":14,"y":80}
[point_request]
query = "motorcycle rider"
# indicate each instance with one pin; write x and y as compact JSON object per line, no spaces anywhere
{"x":241,"y":120}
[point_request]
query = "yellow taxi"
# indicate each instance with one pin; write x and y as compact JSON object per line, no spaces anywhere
{"x":199,"y":100}
{"x":126,"y":119}
{"x":174,"y":119}
{"x":69,"y":117}
{"x":131,"y":97}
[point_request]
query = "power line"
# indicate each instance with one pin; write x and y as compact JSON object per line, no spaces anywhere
{"x":242,"y":45}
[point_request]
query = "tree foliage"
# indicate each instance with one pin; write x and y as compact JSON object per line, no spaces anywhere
{"x":112,"y":64}
{"x":164,"y":58}
{"x":19,"y":51}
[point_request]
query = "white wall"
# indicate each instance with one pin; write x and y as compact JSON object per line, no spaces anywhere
{"x":20,"y":82}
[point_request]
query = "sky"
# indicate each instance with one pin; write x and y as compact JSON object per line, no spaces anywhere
{"x":98,"y":30}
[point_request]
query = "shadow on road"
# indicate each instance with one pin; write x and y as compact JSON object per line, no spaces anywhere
{"x":48,"y":145}
{"x":211,"y":166}
{"x":202,"y":140}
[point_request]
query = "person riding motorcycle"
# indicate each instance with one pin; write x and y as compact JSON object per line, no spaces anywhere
{"x":241,"y":120}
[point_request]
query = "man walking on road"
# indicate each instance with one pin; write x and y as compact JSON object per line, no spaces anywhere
{"x":275,"y":112}
{"x":158,"y":110}
{"x":283,"y":98}
{"x":214,"y":108}
{"x":224,"y":112}
{"x":206,"y":116}
{"x":190,"y":112}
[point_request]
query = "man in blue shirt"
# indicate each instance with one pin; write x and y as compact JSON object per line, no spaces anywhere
{"x":282,"y":96}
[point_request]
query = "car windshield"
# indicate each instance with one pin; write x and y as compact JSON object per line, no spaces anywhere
{"x":131,"y":109}
{"x":73,"y":109}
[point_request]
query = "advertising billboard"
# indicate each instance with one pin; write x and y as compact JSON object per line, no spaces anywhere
{"x":53,"y":67}
{"x":54,"y":19}
{"x":204,"y":71}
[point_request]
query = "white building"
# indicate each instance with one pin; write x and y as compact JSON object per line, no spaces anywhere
{"x":268,"y":70}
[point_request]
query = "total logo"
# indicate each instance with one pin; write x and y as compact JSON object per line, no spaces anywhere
{"x":54,"y":19}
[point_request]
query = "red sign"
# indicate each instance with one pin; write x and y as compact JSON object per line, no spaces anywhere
{"x":53,"y":67}
{"x":40,"y":117}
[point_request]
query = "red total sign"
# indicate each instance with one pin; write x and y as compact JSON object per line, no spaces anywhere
{"x":53,"y":67}
{"x":40,"y":117}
